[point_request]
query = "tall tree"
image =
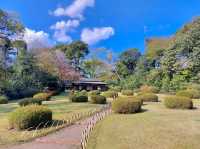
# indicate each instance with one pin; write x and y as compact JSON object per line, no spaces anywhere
{"x":128,"y":61}
{"x":75,"y":52}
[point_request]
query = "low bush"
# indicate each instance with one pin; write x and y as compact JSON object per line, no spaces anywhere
{"x":78,"y":98}
{"x":126,"y":106}
{"x":29,"y":117}
{"x":29,"y":101}
{"x":95,"y":92}
{"x":190,"y":93}
{"x":148,"y":89}
{"x":42,"y":96}
{"x":127,"y":92}
{"x":98,"y":99}
{"x":3,"y":99}
{"x":110,"y":94}
{"x":178,"y":102}
{"x":148,"y":97}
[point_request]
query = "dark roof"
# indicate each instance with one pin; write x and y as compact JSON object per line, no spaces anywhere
{"x":89,"y":81}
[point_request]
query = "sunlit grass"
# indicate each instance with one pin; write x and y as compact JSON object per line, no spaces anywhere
{"x":156,"y":127}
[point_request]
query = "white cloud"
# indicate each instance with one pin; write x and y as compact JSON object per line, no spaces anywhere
{"x":62,"y":28}
{"x":93,"y":36}
{"x":63,"y":25}
{"x":75,"y":10}
{"x":36,"y":39}
{"x":61,"y":36}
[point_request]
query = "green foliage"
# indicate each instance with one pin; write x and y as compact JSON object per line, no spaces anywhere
{"x":116,"y":89}
{"x":148,"y":89}
{"x":98,"y":99}
{"x":78,"y":97}
{"x":94,"y":67}
{"x":190,"y":93}
{"x":29,"y":101}
{"x":96,"y":92}
{"x":126,"y":106}
{"x":148,"y":97}
{"x":127,"y":62}
{"x":30,"y":117}
{"x":178,"y":102}
{"x":42,"y":96}
{"x":155,"y":47}
{"x":3,"y":99}
{"x":127,"y":92}
{"x":75,"y":51}
{"x":110,"y":94}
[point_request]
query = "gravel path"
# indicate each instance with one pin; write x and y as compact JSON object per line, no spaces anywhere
{"x":67,"y":138}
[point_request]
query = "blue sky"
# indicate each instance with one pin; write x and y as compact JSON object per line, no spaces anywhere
{"x":122,"y":23}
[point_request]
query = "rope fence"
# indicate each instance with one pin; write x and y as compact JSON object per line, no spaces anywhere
{"x":92,"y":121}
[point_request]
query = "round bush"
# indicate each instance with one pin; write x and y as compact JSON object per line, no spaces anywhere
{"x":190,"y":93}
{"x":148,"y":97}
{"x":98,"y":99}
{"x":178,"y":102}
{"x":78,"y":98}
{"x":29,"y":117}
{"x":42,"y":96}
{"x":127,"y":92}
{"x":3,"y":100}
{"x":126,"y":106}
{"x":96,"y":92}
{"x":110,"y":94}
{"x":29,"y":101}
{"x":148,"y":89}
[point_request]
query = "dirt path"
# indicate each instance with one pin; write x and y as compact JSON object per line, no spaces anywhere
{"x":67,"y":138}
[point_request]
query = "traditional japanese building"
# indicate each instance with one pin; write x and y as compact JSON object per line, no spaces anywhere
{"x":87,"y":84}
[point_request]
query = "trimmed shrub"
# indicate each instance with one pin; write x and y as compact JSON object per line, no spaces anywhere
{"x":29,"y":117}
{"x":98,"y":99}
{"x":178,"y":102}
{"x":29,"y":101}
{"x":127,"y":92}
{"x":3,"y":99}
{"x":190,"y":93}
{"x":126,"y":106}
{"x":148,"y":97}
{"x":78,"y":98}
{"x":95,"y":92}
{"x":42,"y":96}
{"x":148,"y":89}
{"x":110,"y":94}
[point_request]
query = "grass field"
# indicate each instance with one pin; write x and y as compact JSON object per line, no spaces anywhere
{"x":154,"y":128}
{"x":61,"y":107}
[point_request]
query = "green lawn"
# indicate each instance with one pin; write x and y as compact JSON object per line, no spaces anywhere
{"x":62,"y":110}
{"x":154,"y":128}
